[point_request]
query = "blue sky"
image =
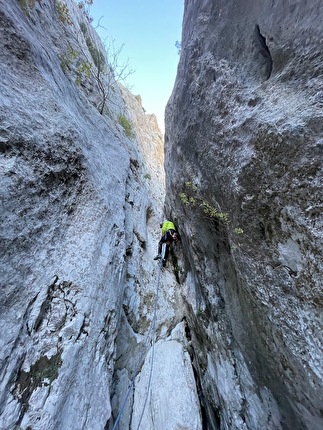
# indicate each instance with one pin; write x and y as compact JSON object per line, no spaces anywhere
{"x":148,"y":29}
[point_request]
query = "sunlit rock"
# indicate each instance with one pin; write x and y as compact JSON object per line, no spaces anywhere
{"x":77,"y":205}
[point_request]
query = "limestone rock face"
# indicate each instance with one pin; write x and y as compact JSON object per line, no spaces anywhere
{"x":174,"y":385}
{"x":244,"y":183}
{"x":81,"y":202}
{"x":150,"y":141}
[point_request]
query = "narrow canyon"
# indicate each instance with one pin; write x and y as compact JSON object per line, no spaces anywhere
{"x":96,"y":334}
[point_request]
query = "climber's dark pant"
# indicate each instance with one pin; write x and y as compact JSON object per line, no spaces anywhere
{"x":167,"y":237}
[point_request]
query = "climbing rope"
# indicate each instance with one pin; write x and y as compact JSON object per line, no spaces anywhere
{"x":154,"y":333}
{"x":151,"y":330}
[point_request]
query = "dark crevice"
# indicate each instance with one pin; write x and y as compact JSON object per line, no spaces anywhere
{"x":265,"y":55}
{"x":45,"y":307}
{"x":210,"y":418}
{"x":175,"y":264}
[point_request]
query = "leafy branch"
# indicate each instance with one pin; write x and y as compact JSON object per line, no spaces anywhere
{"x":127,"y":126}
{"x":108,"y":66}
{"x":191,"y":197}
{"x":63,"y":13}
{"x":103,"y":65}
{"x":27,"y":6}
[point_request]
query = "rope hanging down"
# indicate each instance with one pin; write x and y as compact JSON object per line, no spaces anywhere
{"x":151,"y":330}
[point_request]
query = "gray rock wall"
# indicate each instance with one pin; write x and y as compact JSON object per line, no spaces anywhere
{"x":237,"y":327}
{"x":62,"y":234}
{"x":81,"y":204}
{"x":244,"y":183}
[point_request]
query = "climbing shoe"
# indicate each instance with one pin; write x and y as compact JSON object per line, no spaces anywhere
{"x":157,"y":257}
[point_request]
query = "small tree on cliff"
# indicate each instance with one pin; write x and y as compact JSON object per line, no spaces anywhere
{"x":117,"y":71}
{"x":108,"y":66}
{"x":104,"y":66}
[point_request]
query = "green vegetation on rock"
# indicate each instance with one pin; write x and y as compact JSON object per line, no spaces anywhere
{"x":191,"y":197}
{"x":126,"y":125}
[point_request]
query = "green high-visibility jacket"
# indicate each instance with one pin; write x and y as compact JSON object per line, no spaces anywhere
{"x":167,"y":225}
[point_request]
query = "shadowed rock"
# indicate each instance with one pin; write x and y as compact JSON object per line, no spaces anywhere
{"x":244,"y":127}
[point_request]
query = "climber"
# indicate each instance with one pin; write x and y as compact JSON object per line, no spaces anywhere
{"x":169,"y":235}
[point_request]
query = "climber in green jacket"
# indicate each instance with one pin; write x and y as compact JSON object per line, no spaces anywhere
{"x":169,"y":235}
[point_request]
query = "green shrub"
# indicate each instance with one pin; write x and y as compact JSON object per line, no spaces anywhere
{"x":200,"y":312}
{"x":26,"y":5}
{"x":67,"y":59}
{"x":83,"y":70}
{"x":184,"y":198}
{"x":96,"y":54}
{"x":212,"y":212}
{"x":83,"y":28}
{"x":192,"y":198}
{"x":63,"y":13}
{"x":127,"y":126}
{"x":189,"y":184}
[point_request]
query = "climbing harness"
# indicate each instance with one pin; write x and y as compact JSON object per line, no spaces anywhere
{"x":153,"y":339}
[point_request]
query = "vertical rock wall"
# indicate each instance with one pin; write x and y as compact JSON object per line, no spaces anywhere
{"x":153,"y":384}
{"x":62,"y":234}
{"x":82,"y":192}
{"x":244,"y":183}
{"x":77,"y":196}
